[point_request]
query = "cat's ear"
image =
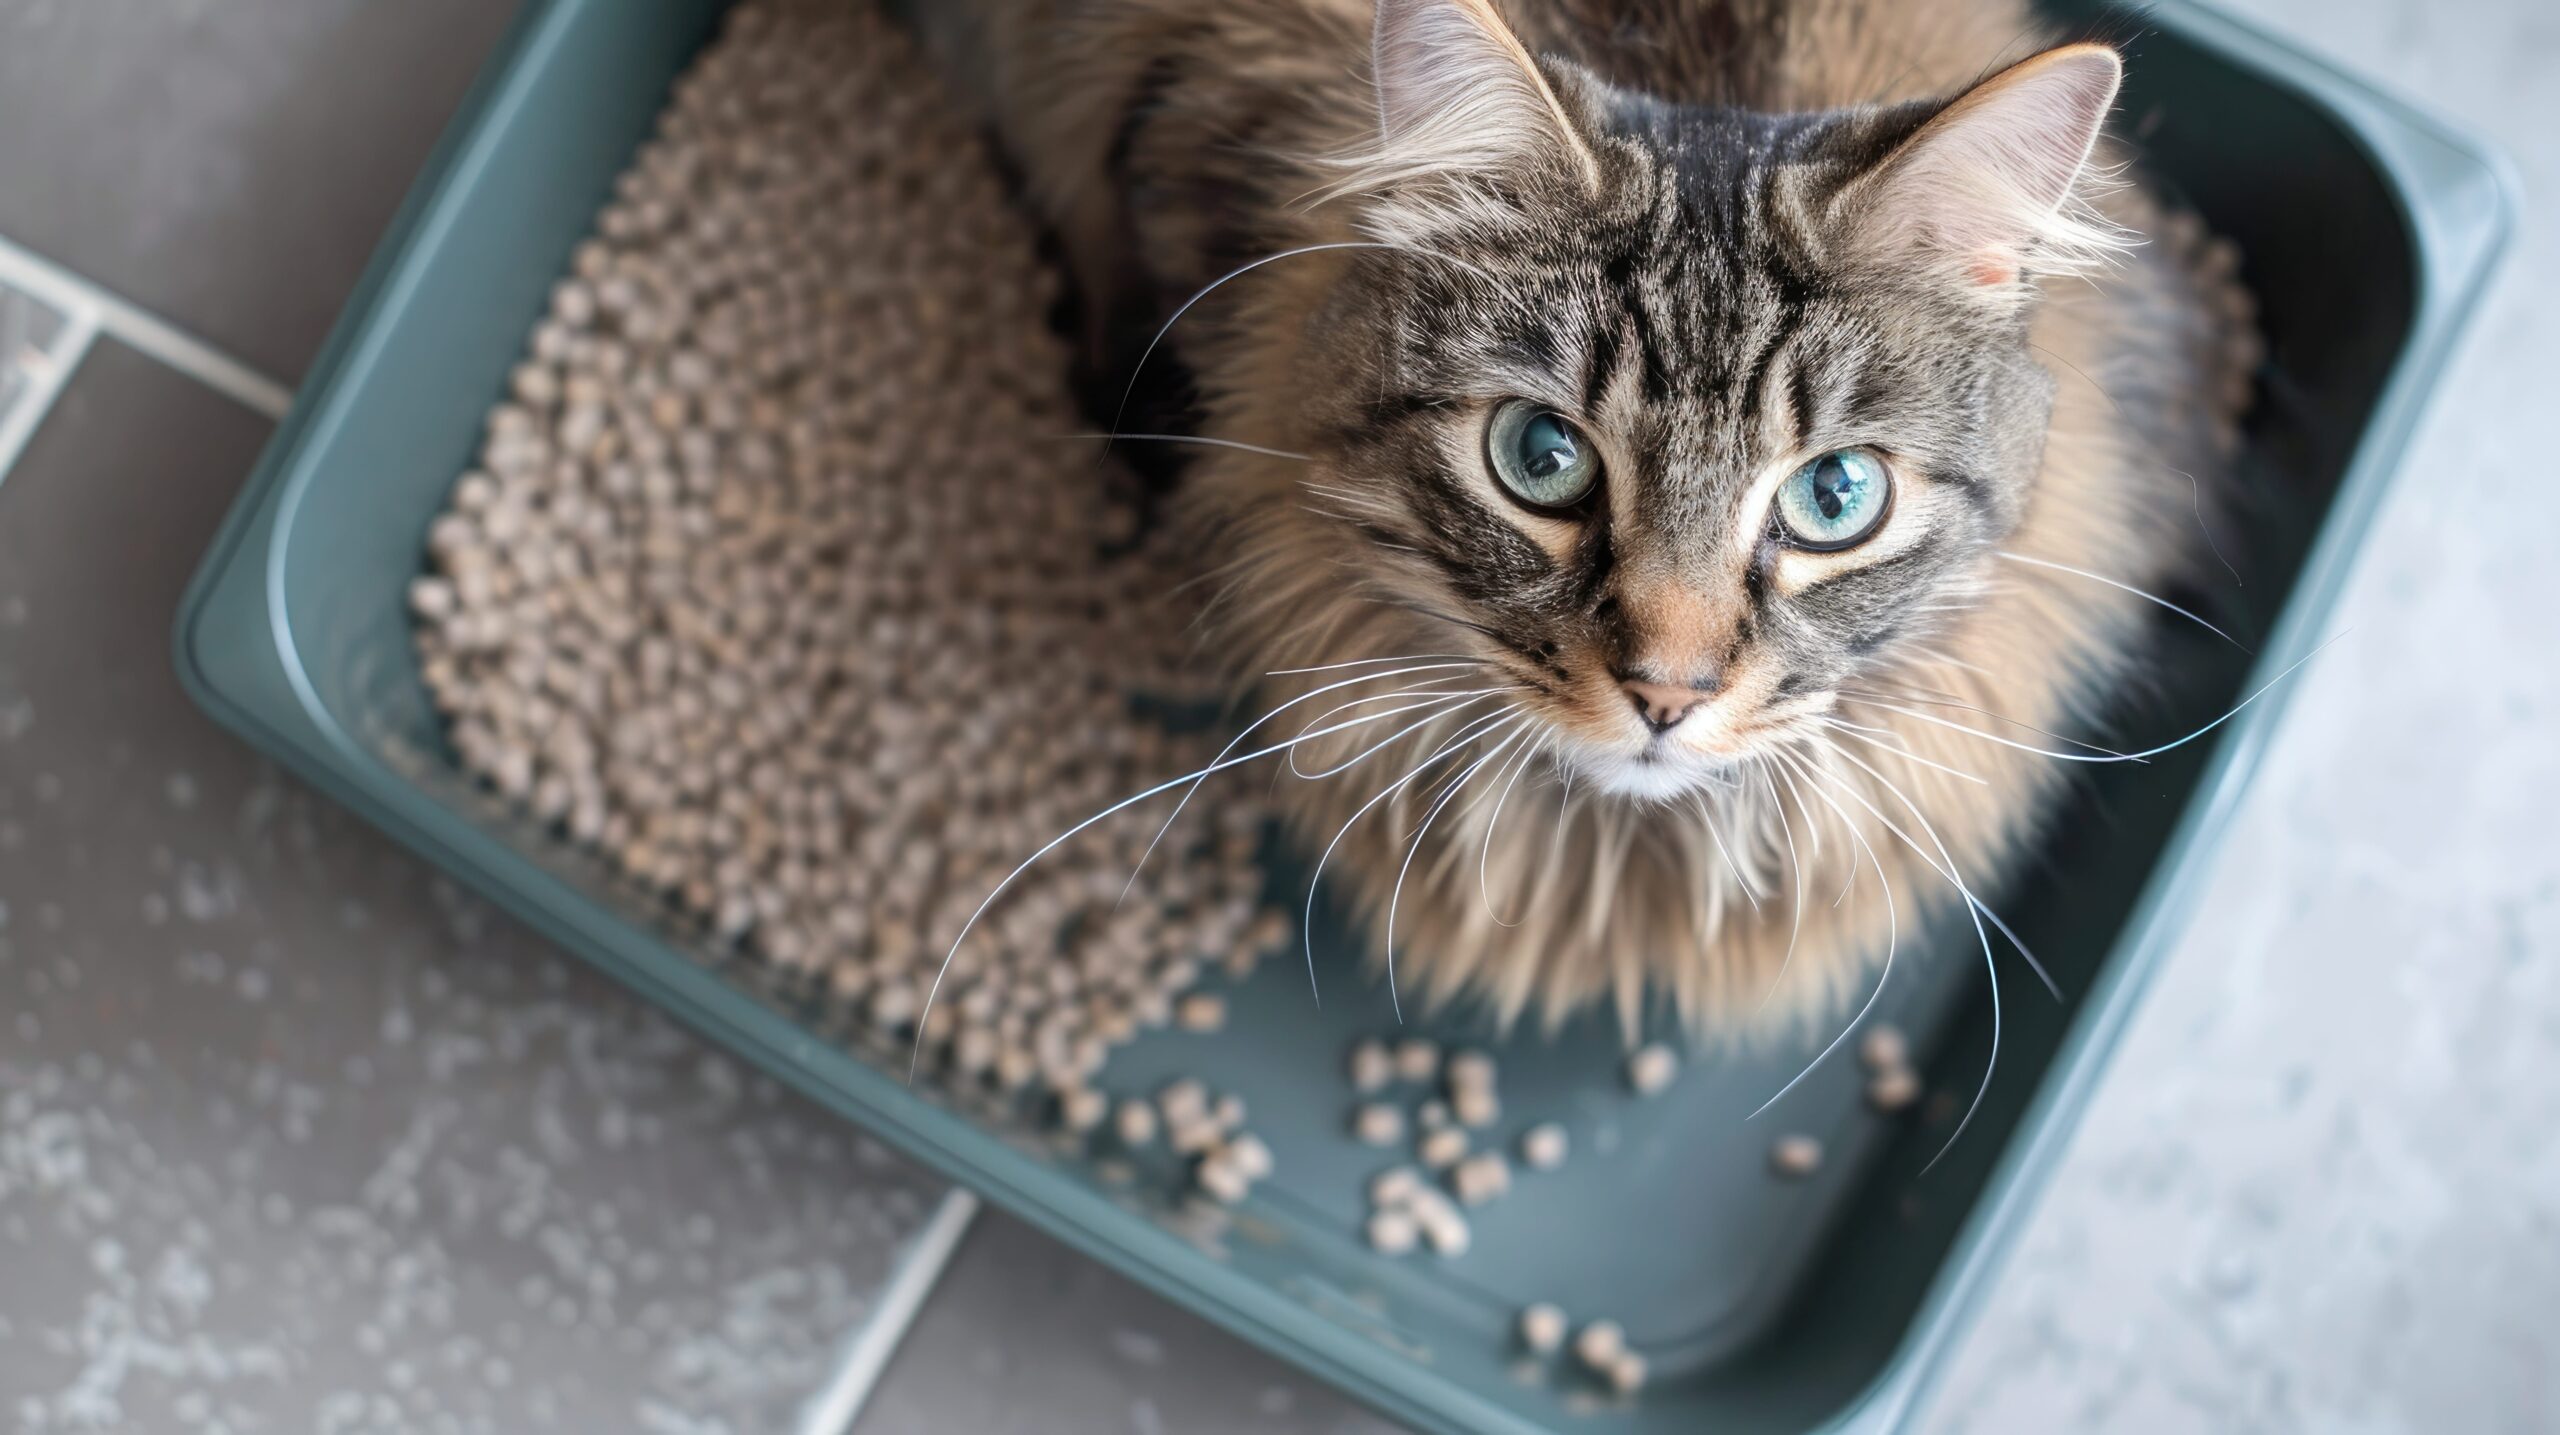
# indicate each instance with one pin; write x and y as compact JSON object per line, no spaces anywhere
{"x":1460,"y":99}
{"x":1995,"y":184}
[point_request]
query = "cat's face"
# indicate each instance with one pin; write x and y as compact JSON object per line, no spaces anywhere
{"x":1677,"y":441}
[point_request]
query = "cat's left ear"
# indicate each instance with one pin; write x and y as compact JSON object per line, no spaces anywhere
{"x":1460,"y":99}
{"x":1993,"y":185}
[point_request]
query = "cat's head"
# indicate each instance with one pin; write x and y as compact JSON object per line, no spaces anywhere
{"x":1679,"y":415}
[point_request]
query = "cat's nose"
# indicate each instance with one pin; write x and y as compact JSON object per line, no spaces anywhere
{"x":1663,"y":705}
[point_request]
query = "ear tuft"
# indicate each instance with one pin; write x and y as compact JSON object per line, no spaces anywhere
{"x":1998,"y":183}
{"x":1460,"y":102}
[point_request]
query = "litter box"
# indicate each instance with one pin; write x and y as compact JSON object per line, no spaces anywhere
{"x":2368,"y":232}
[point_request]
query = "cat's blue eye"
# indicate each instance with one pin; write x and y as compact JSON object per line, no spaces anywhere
{"x":1542,"y":458}
{"x":1836,"y":501}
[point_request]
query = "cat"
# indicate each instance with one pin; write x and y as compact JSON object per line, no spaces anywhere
{"x":1686,"y":455}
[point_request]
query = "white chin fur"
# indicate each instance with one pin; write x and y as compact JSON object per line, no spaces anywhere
{"x":1661,"y":779}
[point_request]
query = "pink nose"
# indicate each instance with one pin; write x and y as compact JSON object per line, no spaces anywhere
{"x":1663,"y":705}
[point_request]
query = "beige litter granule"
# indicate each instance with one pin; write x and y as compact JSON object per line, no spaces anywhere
{"x":774,"y":585}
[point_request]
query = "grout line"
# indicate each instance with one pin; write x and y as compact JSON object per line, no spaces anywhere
{"x":831,"y":1411}
{"x":59,"y":359}
{"x":132,"y":325}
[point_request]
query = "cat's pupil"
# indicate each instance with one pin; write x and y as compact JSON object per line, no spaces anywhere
{"x":1546,"y":447}
{"x":1832,"y":483}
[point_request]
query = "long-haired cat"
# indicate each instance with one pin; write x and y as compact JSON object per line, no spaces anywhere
{"x":1678,"y":459}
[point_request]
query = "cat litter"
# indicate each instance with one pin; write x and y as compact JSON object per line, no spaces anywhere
{"x":1651,"y":1070}
{"x":766,"y":571}
{"x":1543,"y":1147}
{"x":1795,"y":1157}
{"x":1542,"y":1329}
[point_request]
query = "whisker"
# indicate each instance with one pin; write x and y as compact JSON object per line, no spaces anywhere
{"x":1484,"y":887}
{"x":1893,"y":936}
{"x":2126,"y":587}
{"x":1947,"y":702}
{"x":1315,"y":882}
{"x":1347,"y":764}
{"x":1730,"y":865}
{"x":1249,"y":730}
{"x":1795,"y":927}
{"x":1854,"y":733}
{"x":1053,"y":843}
{"x":1395,"y":896}
{"x":1202,"y":439}
{"x":1237,"y":273}
{"x":1456,"y":659}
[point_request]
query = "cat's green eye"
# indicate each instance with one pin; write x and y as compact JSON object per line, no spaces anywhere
{"x":1542,"y":458}
{"x":1836,"y":501}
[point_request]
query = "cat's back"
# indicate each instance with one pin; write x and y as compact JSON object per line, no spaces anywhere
{"x":1780,"y":55}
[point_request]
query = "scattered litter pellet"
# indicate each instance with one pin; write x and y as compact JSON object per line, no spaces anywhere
{"x":1884,"y":1048}
{"x":1135,"y":1123}
{"x":1626,"y":1373}
{"x":1480,"y":1178}
{"x":1192,"y":1135}
{"x":1417,"y":1059}
{"x":1082,"y":1108}
{"x":1394,"y":1186}
{"x":1433,"y":1114}
{"x":1475,"y":1107}
{"x":1393,"y":1231}
{"x":1378,"y":1124}
{"x":1543,"y":1147}
{"x":1222,"y":1179}
{"x":1651,"y":1069}
{"x":1599,"y":1345}
{"x":1442,"y":1226}
{"x":1893,"y":1088}
{"x":1183,"y":1099}
{"x":1201,"y":1011}
{"x":1795,"y":1157}
{"x":1251,"y":1155}
{"x":1542,"y":1328}
{"x":1441,"y":1149}
{"x":1372,"y":1067}
{"x":1470,"y":1071}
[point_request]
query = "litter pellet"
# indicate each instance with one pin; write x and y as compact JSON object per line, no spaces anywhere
{"x":1135,"y":1123}
{"x":1251,"y":1155}
{"x":1221,"y":1179}
{"x":1443,"y":1227}
{"x":1378,"y":1124}
{"x":1893,"y":1088}
{"x":1542,"y":1328}
{"x":1182,"y":1099}
{"x":1394,"y":1186}
{"x":1191,"y":1135}
{"x":1082,"y":1108}
{"x":1201,"y":1011}
{"x":1598,"y":1345}
{"x":1480,"y":1178}
{"x":1884,"y":1048}
{"x":763,"y":587}
{"x":1470,"y":1071}
{"x":1393,"y":1231}
{"x":1433,"y":1114}
{"x":1543,"y":1147}
{"x":1417,"y":1059}
{"x":1441,"y":1149}
{"x":1475,"y":1107}
{"x":1795,"y":1157}
{"x":1626,"y":1373}
{"x":1372,"y":1067}
{"x":1651,"y":1069}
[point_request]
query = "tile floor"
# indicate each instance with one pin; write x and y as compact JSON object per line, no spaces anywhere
{"x":294,"y":1135}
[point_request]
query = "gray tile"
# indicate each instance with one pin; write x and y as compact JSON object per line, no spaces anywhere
{"x":228,"y":163}
{"x":293,"y":1133}
{"x":1025,"y":1337}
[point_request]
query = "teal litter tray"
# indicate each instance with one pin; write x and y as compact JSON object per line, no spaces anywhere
{"x":2368,"y":232}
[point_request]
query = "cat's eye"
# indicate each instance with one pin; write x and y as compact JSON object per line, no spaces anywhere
{"x":1542,"y":458}
{"x":1836,"y":501}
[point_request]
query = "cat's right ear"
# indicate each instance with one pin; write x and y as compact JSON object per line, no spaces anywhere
{"x":1461,"y":100}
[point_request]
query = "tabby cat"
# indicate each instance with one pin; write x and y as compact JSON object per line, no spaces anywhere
{"x":1673,"y":461}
